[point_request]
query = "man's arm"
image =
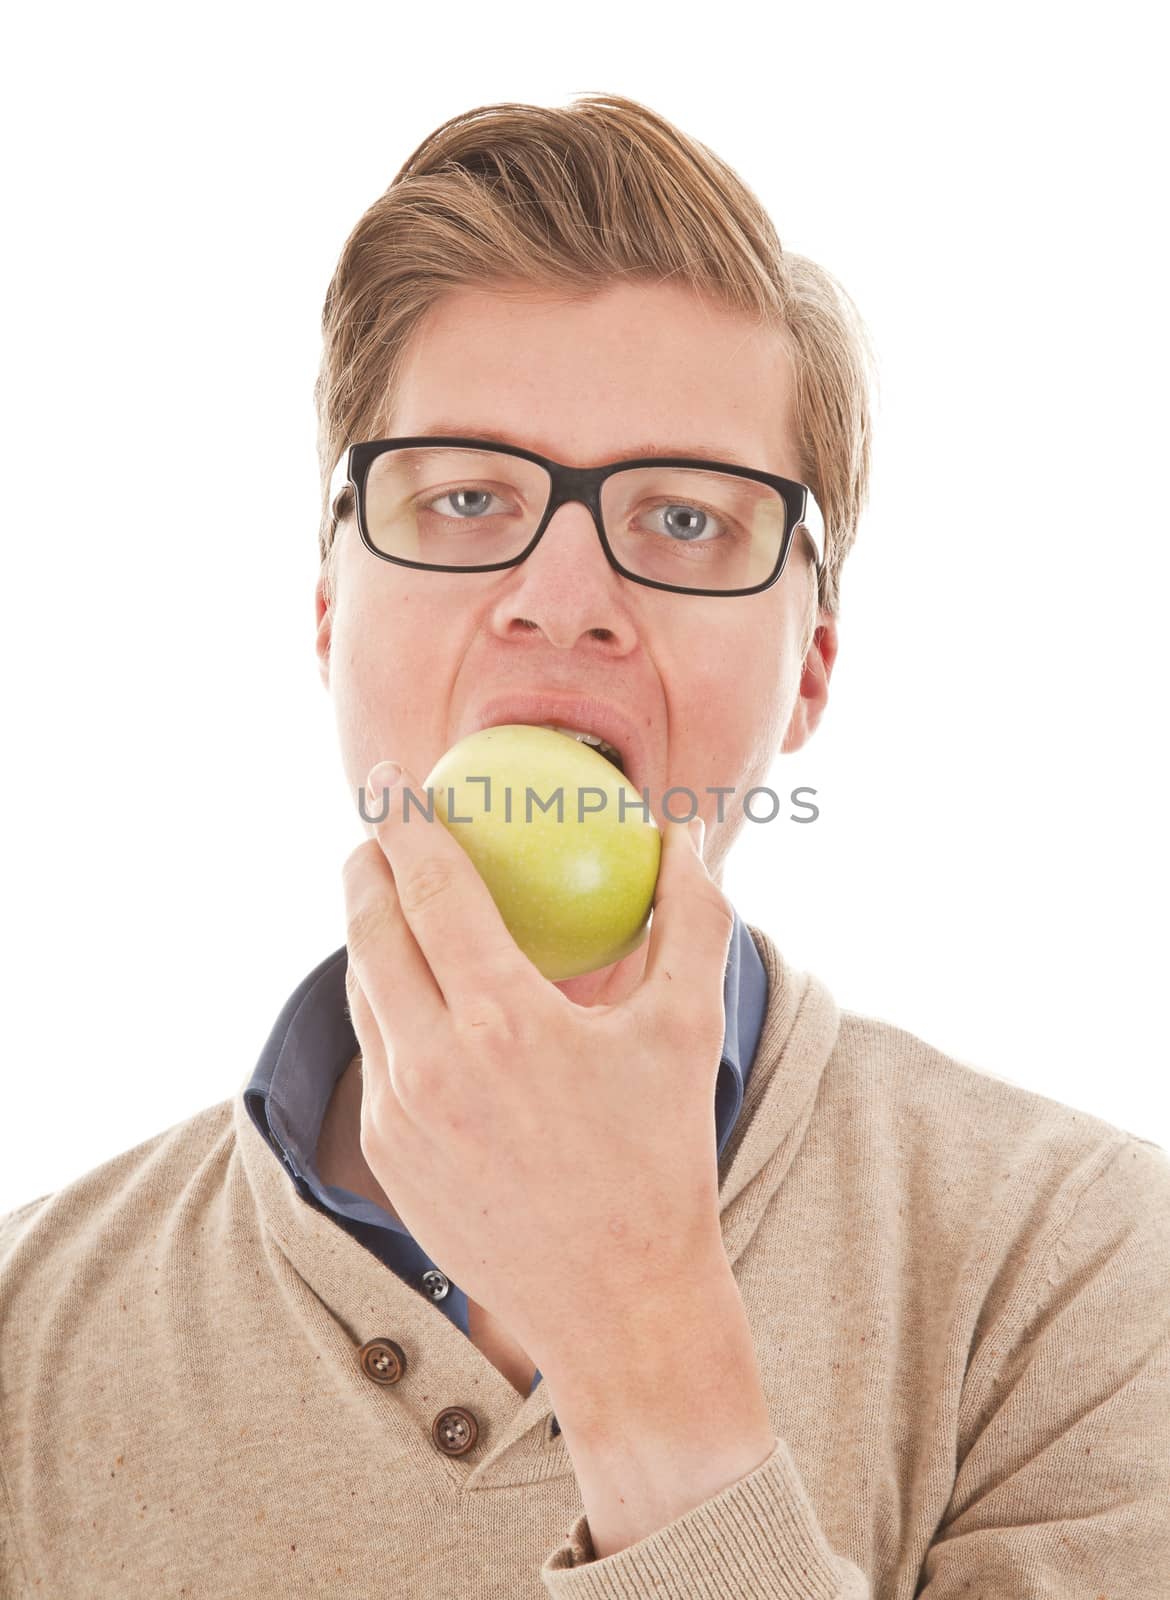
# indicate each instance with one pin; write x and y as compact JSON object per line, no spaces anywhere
{"x":1063,"y":1482}
{"x":663,"y":1419}
{"x":665,"y":1414}
{"x":1062,"y":1489}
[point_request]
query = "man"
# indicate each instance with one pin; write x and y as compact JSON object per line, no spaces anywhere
{"x":460,"y":1296}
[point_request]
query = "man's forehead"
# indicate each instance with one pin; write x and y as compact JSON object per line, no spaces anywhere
{"x":562,"y":396}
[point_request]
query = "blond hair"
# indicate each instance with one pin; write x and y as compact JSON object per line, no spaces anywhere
{"x":573,"y":199}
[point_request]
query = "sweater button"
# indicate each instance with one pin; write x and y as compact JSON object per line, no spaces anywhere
{"x":382,"y":1360}
{"x":454,"y":1431}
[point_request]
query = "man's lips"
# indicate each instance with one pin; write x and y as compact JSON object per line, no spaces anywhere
{"x":587,"y":713}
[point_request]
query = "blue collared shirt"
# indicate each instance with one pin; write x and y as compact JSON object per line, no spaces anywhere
{"x":312,"y":1043}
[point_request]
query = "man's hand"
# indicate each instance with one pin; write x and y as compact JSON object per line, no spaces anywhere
{"x":556,"y":1161}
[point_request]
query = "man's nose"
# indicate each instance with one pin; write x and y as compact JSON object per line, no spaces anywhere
{"x":566,"y":587}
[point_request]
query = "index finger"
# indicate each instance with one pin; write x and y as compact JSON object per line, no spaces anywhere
{"x":447,"y":905}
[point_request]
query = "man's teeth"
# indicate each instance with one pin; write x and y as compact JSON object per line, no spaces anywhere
{"x":593,"y":739}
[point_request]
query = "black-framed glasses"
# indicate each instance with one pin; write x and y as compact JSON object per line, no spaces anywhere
{"x":672,"y":522}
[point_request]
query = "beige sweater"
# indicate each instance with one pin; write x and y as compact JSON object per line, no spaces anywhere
{"x":959,"y":1293}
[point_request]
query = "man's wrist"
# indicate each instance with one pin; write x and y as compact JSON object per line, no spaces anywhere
{"x":658,"y":1421}
{"x":659,"y":1360}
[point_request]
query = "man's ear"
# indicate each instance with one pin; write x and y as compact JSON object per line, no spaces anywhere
{"x":815,"y":672}
{"x":324,"y":629}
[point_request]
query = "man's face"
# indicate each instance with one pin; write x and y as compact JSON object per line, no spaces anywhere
{"x":715,"y":685}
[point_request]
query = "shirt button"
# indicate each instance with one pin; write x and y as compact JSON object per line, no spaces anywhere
{"x":382,"y":1360}
{"x":435,"y":1284}
{"x":454,"y":1431}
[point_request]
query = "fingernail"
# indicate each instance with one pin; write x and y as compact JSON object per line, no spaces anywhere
{"x":384,"y":776}
{"x":698,"y":831}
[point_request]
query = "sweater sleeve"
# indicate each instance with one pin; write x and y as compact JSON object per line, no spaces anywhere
{"x":14,"y":1583}
{"x":1063,"y":1484}
{"x":759,"y":1539}
{"x":1062,"y":1488}
{"x":12,"y":1578}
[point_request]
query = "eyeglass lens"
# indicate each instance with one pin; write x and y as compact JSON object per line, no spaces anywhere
{"x":452,"y":506}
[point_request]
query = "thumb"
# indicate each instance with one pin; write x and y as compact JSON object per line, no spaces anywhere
{"x":691,"y":927}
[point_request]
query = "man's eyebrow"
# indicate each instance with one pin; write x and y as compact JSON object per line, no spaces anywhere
{"x":705,"y":452}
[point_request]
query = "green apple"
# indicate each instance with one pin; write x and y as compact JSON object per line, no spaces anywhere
{"x":574,"y":882}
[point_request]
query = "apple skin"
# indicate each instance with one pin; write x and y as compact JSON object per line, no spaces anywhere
{"x":575,"y":894}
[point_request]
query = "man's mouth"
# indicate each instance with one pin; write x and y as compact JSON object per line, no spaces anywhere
{"x":605,"y":725}
{"x":602,"y":746}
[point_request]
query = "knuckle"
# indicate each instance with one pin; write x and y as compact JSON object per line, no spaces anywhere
{"x":721,"y":910}
{"x":410,"y":1079}
{"x":424,"y":884}
{"x":708,"y":900}
{"x":488,"y":1023}
{"x":366,"y":925}
{"x":356,"y":863}
{"x":704,"y":900}
{"x":496,"y":1016}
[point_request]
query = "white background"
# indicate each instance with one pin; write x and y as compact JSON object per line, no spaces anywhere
{"x":988,"y":870}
